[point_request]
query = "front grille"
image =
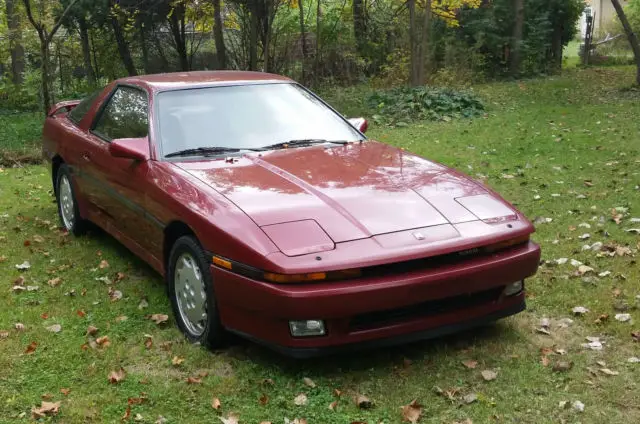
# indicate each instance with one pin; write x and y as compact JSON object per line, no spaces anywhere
{"x":424,"y":309}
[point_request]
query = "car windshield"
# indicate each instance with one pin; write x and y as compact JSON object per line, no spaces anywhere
{"x":246,"y":117}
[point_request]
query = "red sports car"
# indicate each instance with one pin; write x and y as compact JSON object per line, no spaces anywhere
{"x":273,"y":217}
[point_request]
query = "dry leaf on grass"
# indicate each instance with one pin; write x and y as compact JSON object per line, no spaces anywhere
{"x":579,"y":310}
{"x":231,"y":419}
{"x":301,"y":399}
{"x":65,"y":391}
{"x":562,"y":366}
{"x":92,"y":331}
{"x":215,"y":403}
{"x":471,"y":364}
{"x":193,"y":380}
{"x":177,"y":361}
{"x":264,"y":399}
{"x":103,"y":264}
{"x":309,"y":382}
{"x":333,"y":405}
{"x":54,"y":282}
{"x":412,"y":412}
{"x":117,"y":376}
{"x":114,"y":295}
{"x":362,"y":401}
{"x":607,"y":371}
{"x":159,"y":318}
{"x":31,"y":348}
{"x":489,"y":375}
{"x":45,"y":409}
{"x":55,"y":328}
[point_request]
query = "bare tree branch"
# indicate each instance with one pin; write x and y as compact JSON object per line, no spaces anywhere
{"x":56,"y":26}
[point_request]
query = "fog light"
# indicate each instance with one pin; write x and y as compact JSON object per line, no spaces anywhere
{"x":513,"y":288}
{"x":308,"y":328}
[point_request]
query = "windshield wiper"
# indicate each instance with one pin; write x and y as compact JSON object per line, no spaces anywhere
{"x":302,"y":142}
{"x":206,"y":151}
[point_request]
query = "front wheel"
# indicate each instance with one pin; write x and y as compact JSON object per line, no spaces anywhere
{"x":67,"y":204}
{"x":190,"y":285}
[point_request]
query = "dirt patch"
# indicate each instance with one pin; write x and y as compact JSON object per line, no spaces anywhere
{"x":13,"y":159}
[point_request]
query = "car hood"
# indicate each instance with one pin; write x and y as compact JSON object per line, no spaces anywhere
{"x":352,"y":192}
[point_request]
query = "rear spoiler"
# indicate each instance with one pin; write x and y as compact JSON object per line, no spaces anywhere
{"x":65,"y":106}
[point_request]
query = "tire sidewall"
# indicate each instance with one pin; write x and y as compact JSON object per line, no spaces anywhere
{"x":77,"y":227}
{"x":213,"y":333}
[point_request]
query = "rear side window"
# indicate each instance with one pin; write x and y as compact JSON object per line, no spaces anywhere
{"x":125,"y":116}
{"x":78,"y":112}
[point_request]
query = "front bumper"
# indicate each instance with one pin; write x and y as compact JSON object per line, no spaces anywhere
{"x":261,"y":311}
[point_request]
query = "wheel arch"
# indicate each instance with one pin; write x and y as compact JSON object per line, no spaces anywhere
{"x":56,"y":162}
{"x":172,"y":232}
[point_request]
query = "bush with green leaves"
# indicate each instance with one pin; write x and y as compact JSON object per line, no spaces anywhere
{"x":404,"y":104}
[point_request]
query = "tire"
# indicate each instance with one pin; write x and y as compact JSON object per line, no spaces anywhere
{"x":67,"y":205}
{"x":190,"y":287}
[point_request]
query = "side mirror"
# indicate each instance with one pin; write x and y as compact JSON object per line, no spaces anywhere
{"x":130,"y":148}
{"x":360,"y":124}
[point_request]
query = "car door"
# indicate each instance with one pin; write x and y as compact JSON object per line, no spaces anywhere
{"x":115,"y":182}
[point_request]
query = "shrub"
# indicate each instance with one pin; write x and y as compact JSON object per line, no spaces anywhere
{"x":400,"y":105}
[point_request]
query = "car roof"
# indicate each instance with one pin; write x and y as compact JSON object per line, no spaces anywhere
{"x":176,"y":80}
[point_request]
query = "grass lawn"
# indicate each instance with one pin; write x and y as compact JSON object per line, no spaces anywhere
{"x":565,"y":150}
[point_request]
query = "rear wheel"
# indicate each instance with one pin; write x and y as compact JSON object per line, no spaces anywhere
{"x":190,"y":285}
{"x":67,"y":204}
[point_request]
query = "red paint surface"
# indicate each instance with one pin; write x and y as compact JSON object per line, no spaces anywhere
{"x":350,"y":206}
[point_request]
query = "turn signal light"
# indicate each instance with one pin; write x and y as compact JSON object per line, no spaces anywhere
{"x":222,"y":263}
{"x":507,"y":243}
{"x":314,"y":276}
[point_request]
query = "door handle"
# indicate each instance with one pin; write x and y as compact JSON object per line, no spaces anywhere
{"x":86,"y":157}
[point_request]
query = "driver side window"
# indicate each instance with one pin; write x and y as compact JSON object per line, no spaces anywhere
{"x":125,"y":116}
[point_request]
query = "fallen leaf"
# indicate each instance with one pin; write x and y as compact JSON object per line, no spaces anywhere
{"x":114,"y":295}
{"x":55,"y":282}
{"x":46,"y":409}
{"x":143,"y":304}
{"x":583,"y":269}
{"x":470,"y":398}
{"x":578,"y":406}
{"x":633,"y":360}
{"x":623,"y":317}
{"x":544,"y":360}
{"x":161,"y":420}
{"x":103,"y":341}
{"x":333,"y":405}
{"x":579,"y":310}
{"x":607,"y":371}
{"x":470,"y":363}
{"x":489,"y":375}
{"x":362,"y":401}
{"x":55,"y":328}
{"x":148,"y":341}
{"x":562,"y":366}
{"x":337,"y":392}
{"x":126,"y":415}
{"x":193,"y":380}
{"x":177,"y":361}
{"x":23,"y":266}
{"x":46,"y":396}
{"x":4,"y":334}
{"x":103,"y":264}
{"x":18,"y":326}
{"x":231,"y":419}
{"x":19,"y":281}
{"x":264,"y":399}
{"x":91,"y":330}
{"x":412,"y":412}
{"x":119,"y":276}
{"x":121,"y":318}
{"x":159,"y":318}
{"x":301,"y":399}
{"x":309,"y":382}
{"x":65,"y":391}
{"x":31,"y":348}
{"x":116,"y":376}
{"x":215,"y":403}
{"x":635,"y":335}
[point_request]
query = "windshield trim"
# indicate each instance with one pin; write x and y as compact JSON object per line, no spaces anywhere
{"x":156,"y":113}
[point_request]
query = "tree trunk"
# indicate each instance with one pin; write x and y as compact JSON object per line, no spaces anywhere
{"x":96,"y":66}
{"x":316,"y":65}
{"x":413,"y":44}
{"x":47,"y":98}
{"x":633,"y":39}
{"x":360,"y":26}
{"x":123,"y":47}
{"x":86,"y":50}
{"x":556,"y":47}
{"x":177,"y":26}
{"x":218,"y":35}
{"x":142,"y":33}
{"x":425,"y":51}
{"x":266,"y":40}
{"x":303,"y":40}
{"x":516,"y":39}
{"x":15,"y":43}
{"x":253,"y":39}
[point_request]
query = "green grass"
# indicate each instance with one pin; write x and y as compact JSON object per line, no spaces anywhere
{"x":550,"y":135}
{"x":20,"y":133}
